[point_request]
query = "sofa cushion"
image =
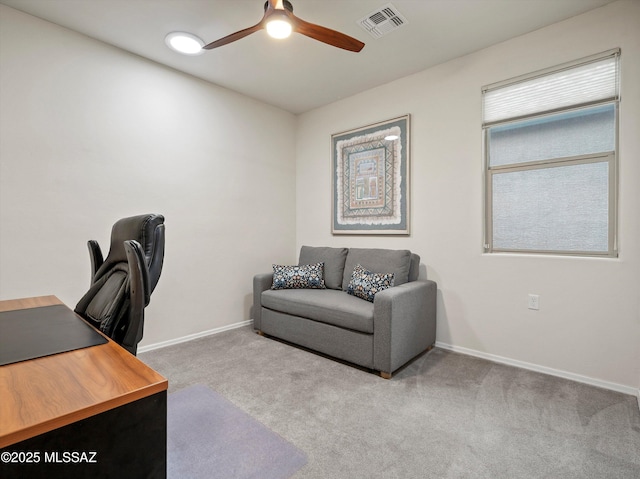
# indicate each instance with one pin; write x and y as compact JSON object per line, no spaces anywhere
{"x":365,"y":284}
{"x":297,"y":277}
{"x":414,"y":269}
{"x":393,"y":261}
{"x":333,"y":259}
{"x":327,"y":306}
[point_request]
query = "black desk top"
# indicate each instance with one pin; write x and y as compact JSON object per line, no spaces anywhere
{"x":36,"y":332}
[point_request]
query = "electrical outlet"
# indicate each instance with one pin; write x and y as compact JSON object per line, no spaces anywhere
{"x":534,"y":301}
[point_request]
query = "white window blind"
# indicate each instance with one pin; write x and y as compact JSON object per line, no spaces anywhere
{"x":578,"y":84}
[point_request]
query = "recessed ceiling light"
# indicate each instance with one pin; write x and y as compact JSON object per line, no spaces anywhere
{"x":185,"y":43}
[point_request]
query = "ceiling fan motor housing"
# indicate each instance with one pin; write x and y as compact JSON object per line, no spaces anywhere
{"x":286,"y":3}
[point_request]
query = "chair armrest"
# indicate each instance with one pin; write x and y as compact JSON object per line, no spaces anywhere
{"x":95,"y":255}
{"x":404,"y":323}
{"x":261,"y":282}
{"x":139,"y":296}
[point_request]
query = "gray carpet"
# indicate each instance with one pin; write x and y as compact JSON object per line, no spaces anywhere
{"x":446,"y":415}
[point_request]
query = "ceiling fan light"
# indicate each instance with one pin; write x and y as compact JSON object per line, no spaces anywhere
{"x":185,"y":43}
{"x":279,"y":28}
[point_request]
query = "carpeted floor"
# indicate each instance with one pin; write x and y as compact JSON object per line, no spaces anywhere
{"x":446,"y":415}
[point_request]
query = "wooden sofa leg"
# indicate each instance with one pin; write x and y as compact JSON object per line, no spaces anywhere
{"x":384,"y":375}
{"x":259,"y":332}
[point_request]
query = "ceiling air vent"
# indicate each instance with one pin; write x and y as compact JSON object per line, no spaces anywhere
{"x":382,"y":21}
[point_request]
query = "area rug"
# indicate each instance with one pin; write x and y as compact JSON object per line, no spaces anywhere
{"x":209,"y":437}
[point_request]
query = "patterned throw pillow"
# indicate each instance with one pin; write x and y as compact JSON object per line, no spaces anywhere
{"x":365,"y":284}
{"x":298,"y":277}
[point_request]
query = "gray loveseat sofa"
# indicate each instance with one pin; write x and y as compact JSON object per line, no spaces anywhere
{"x":382,"y":335}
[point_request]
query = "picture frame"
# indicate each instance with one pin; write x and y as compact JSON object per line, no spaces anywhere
{"x":371,"y":179}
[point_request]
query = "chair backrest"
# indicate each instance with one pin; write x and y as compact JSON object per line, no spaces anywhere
{"x":122,"y":283}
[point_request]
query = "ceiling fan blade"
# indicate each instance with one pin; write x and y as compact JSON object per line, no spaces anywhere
{"x":326,"y":35}
{"x":235,"y":36}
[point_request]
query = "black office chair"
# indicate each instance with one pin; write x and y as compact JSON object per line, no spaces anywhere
{"x":122,"y":284}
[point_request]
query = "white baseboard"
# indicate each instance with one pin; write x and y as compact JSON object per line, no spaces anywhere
{"x":542,"y":369}
{"x":190,"y":337}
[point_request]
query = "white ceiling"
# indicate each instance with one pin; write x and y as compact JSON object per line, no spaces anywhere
{"x":300,"y":74}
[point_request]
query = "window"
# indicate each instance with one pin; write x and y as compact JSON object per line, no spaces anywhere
{"x":550,"y":143}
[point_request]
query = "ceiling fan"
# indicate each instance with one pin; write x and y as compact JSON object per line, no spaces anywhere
{"x":280,"y":21}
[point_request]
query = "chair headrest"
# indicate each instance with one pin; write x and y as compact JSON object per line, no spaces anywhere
{"x":140,"y":228}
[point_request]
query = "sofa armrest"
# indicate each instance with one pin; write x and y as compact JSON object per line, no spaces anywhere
{"x":261,"y":282}
{"x":404,"y":323}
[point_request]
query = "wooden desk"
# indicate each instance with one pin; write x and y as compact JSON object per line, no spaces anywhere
{"x":61,"y":395}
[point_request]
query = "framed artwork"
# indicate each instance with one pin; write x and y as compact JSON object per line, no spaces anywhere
{"x":370,"y":168}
